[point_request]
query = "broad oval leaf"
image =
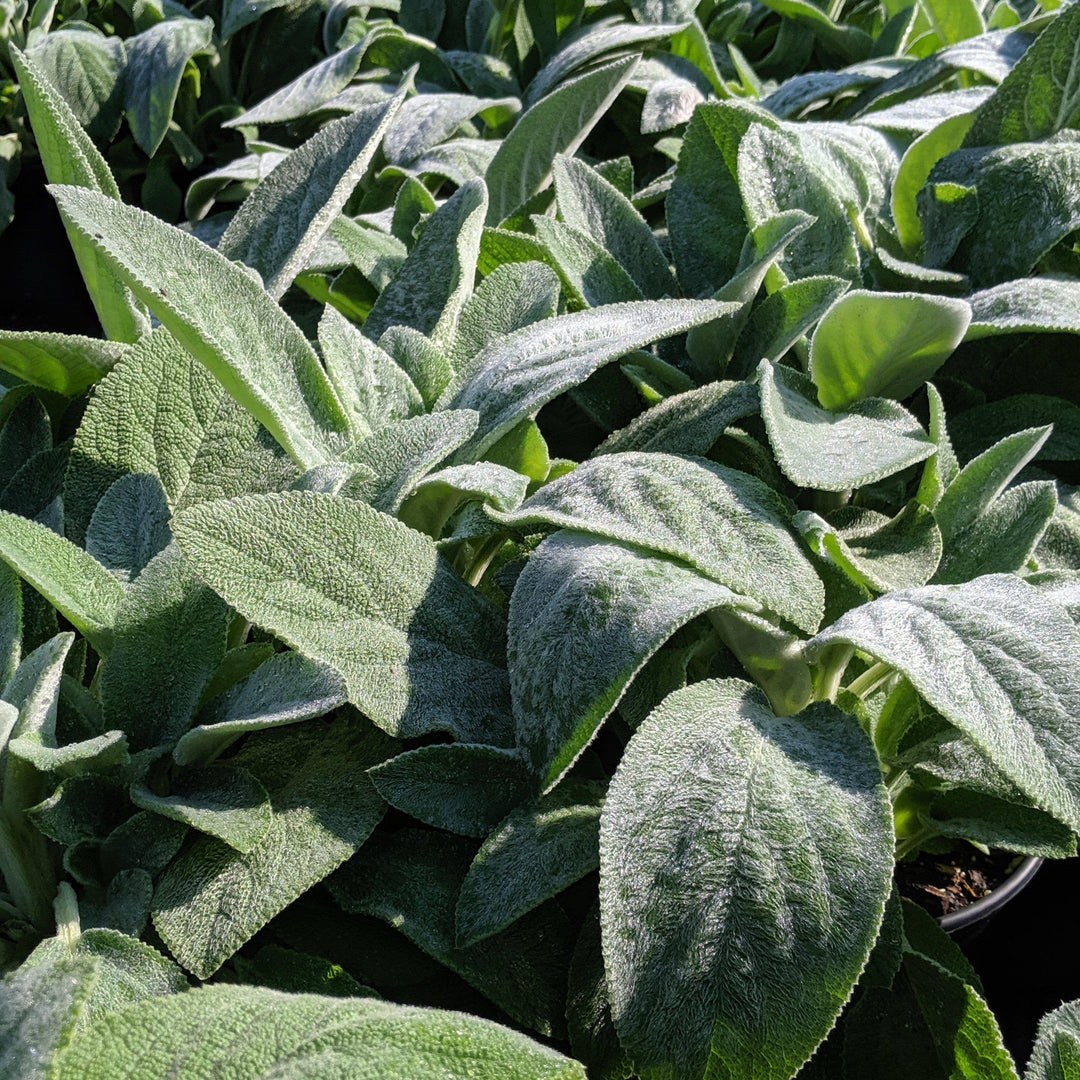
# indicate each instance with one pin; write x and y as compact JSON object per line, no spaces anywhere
{"x":1029,"y":305}
{"x":883,"y":344}
{"x":836,"y":451}
{"x":64,"y":363}
{"x":246,"y":1030}
{"x":224,"y":318}
{"x":585,"y":616}
{"x":419,"y":649}
{"x":745,"y":862}
{"x":1056,"y":1054}
{"x":998,"y":660}
{"x":726,"y":524}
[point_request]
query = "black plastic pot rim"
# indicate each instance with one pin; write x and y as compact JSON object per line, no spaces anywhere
{"x":987,"y":905}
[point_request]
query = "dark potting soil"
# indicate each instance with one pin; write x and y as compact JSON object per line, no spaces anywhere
{"x":946,"y":883}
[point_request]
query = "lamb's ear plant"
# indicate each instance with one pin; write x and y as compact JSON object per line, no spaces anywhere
{"x":496,"y":573}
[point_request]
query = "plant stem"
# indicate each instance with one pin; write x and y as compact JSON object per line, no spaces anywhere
{"x":488,"y":550}
{"x":912,"y":843}
{"x":68,"y":927}
{"x":870,"y":680}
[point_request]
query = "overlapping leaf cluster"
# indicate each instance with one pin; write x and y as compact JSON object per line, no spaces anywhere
{"x":603,"y":498}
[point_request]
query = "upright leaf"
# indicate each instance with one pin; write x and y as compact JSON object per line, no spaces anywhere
{"x":557,"y":124}
{"x":1056,"y":1055}
{"x":738,"y":910}
{"x":279,"y":225}
{"x":419,"y":649}
{"x":70,"y":157}
{"x":222,"y":317}
{"x":436,"y":280}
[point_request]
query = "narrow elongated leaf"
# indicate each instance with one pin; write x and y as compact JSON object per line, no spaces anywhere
{"x":836,"y":451}
{"x":412,"y":878}
{"x":851,"y":42}
{"x":429,"y":119}
{"x":283,"y":689}
{"x":465,"y":788}
{"x":280,"y":223}
{"x":212,"y":898}
{"x":75,"y":583}
{"x":1041,"y":95}
{"x":686,"y":423}
{"x":589,"y":203}
{"x":419,"y":649}
{"x":305,"y":1035}
{"x":585,"y":616}
{"x":514,"y":376}
{"x":155,"y":64}
{"x":436,"y":280}
{"x":70,"y":157}
{"x":161,"y":413}
{"x":590,"y":275}
{"x":882,"y":344}
{"x":540,"y":849}
{"x":220,"y":315}
{"x":64,"y":363}
{"x":998,"y":660}
{"x":728,"y":525}
{"x":557,"y":124}
{"x":778,"y":854}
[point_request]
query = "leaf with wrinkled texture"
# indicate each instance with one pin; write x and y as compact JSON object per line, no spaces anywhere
{"x":412,"y":879}
{"x":1056,"y":1054}
{"x":212,"y":898}
{"x":836,"y":451}
{"x":738,"y":910}
{"x":540,"y":849}
{"x":280,"y":223}
{"x":1028,"y":305}
{"x":130,"y":525}
{"x":514,"y":376}
{"x":557,"y":124}
{"x":998,"y":661}
{"x":585,"y":616}
{"x":160,"y":412}
{"x":429,"y":119}
{"x":419,"y":649}
{"x":726,"y":524}
{"x":464,"y":788}
{"x":226,"y":320}
{"x":303,"y":1036}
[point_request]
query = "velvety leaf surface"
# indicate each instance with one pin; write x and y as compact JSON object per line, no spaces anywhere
{"x":220,"y":315}
{"x":212,"y":898}
{"x":70,"y":157}
{"x":997,"y":659}
{"x":279,"y":225}
{"x":557,"y":124}
{"x":515,"y":375}
{"x":584,"y":617}
{"x":64,"y":363}
{"x":540,"y":849}
{"x":1056,"y":1055}
{"x":283,"y":689}
{"x":419,"y":649}
{"x":411,"y":879}
{"x":745,"y":862}
{"x":130,"y":525}
{"x":465,"y":788}
{"x":727,"y":524}
{"x":162,"y":413}
{"x":834,"y":451}
{"x":251,"y":1032}
{"x":881,"y":344}
{"x":1029,"y":305}
{"x":39,"y":1007}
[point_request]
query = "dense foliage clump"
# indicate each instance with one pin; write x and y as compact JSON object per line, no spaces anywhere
{"x":585,"y":491}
